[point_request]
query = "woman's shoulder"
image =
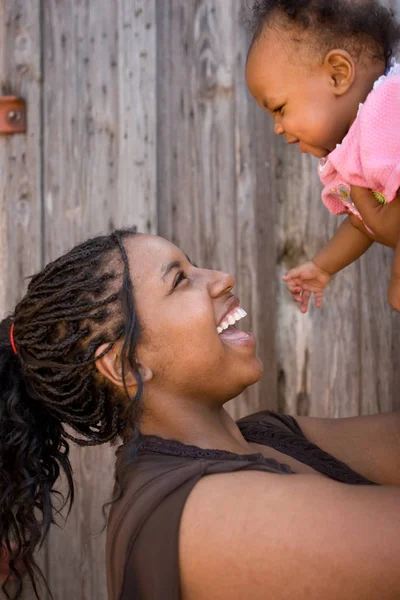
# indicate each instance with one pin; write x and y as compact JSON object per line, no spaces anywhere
{"x":253,"y":532}
{"x":147,"y":514}
{"x":149,"y":497}
{"x":142,"y":486}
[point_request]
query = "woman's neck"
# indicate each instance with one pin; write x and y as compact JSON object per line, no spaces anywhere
{"x":194,"y":423}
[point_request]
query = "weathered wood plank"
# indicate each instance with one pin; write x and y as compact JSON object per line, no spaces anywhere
{"x":99,"y":143}
{"x":20,"y":156}
{"x":137,"y":187}
{"x":80,"y":145}
{"x":318,"y":356}
{"x":337,"y":361}
{"x":81,"y":120}
{"x":209,"y":165}
{"x":340,"y":361}
{"x":255,"y":223}
{"x":378,"y":343}
{"x":196,"y":183}
{"x":20,"y":159}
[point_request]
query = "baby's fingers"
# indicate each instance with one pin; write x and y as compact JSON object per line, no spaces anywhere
{"x":294,"y":287}
{"x":305,"y":299}
{"x":293,"y":274}
{"x":318,"y":299}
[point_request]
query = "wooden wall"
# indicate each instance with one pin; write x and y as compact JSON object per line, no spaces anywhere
{"x":138,"y":114}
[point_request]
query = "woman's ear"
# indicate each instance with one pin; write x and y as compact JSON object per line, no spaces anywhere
{"x":340,"y":67}
{"x":110,"y":366}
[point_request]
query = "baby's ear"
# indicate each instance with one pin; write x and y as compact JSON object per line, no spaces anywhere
{"x":340,"y":68}
{"x":109,"y":364}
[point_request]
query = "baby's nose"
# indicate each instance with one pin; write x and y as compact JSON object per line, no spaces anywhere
{"x":279,"y":129}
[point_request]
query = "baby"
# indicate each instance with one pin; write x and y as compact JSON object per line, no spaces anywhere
{"x":324,"y":70}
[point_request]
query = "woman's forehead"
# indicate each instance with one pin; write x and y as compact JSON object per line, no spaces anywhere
{"x":151,"y":255}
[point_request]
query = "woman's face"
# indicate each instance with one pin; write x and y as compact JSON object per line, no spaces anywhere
{"x":180,"y":307}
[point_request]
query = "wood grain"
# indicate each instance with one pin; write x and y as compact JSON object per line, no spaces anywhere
{"x":99,"y":173}
{"x":342,"y":360}
{"x":213,"y":163}
{"x":20,"y":155}
{"x":20,"y":161}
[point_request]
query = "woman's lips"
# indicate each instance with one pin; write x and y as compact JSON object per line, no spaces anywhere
{"x":233,"y":334}
{"x":237,"y":337}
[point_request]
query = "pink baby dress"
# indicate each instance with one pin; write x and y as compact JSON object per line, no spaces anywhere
{"x":369,"y":155}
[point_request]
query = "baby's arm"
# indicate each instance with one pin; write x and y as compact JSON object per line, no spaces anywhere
{"x":346,"y":246}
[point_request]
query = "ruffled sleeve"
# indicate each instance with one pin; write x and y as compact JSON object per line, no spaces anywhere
{"x":370,"y":153}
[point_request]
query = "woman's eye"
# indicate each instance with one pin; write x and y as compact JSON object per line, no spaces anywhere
{"x":179,"y":279}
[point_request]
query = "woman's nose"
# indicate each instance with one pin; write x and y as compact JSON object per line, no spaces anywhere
{"x":221,"y":283}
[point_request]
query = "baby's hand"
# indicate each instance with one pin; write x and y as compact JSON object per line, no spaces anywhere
{"x":306,"y":280}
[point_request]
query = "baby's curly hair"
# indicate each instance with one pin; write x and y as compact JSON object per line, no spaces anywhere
{"x":354,"y":25}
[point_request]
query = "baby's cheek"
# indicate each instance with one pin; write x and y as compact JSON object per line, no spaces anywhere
{"x":335,"y":130}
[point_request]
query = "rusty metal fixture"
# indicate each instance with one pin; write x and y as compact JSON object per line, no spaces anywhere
{"x":12,"y":115}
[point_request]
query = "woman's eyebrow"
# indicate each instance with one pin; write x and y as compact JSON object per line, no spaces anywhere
{"x":176,"y":264}
{"x":166,"y":269}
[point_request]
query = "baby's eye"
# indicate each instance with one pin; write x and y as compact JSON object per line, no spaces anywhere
{"x":279,"y":110}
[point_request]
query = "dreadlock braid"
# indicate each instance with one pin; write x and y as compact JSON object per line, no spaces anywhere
{"x":78,"y":303}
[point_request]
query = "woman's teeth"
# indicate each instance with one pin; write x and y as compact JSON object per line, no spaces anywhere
{"x":231,"y":318}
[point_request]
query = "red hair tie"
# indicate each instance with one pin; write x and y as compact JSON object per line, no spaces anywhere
{"x":13,"y":346}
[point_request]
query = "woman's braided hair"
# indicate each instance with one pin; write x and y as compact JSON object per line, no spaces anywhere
{"x":76,"y":304}
{"x":354,"y":25}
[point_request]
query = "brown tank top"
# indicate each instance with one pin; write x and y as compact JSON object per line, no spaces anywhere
{"x":156,"y":477}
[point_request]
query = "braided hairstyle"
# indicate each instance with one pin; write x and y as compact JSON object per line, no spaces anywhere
{"x":355,"y":25}
{"x":77,"y":303}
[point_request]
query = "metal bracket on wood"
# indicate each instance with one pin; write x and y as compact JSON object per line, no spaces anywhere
{"x":12,"y":115}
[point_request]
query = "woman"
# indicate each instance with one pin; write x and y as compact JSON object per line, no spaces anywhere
{"x":124,"y":336}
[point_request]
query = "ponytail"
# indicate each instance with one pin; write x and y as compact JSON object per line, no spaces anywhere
{"x":48,"y":380}
{"x":33,"y":453}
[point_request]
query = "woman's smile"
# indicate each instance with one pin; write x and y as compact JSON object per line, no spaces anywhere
{"x":182,"y":309}
{"x":226,"y":328}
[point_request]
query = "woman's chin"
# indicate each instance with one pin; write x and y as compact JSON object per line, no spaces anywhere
{"x":252,"y":374}
{"x":259,"y":371}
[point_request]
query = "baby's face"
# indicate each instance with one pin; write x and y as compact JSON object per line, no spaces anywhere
{"x":299,"y":93}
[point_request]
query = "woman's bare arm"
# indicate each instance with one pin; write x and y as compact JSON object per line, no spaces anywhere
{"x":370,"y":445}
{"x":258,"y":535}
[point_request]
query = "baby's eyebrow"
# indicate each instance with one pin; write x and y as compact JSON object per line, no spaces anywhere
{"x":268,"y":103}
